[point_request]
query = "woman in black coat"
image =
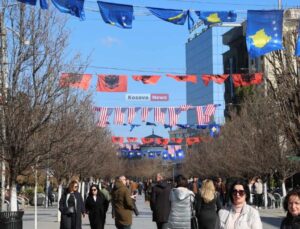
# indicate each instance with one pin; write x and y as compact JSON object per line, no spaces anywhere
{"x":96,"y":206}
{"x":207,"y":204}
{"x":71,"y":207}
{"x":292,"y":205}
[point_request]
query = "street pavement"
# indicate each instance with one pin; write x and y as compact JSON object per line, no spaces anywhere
{"x":47,"y":218}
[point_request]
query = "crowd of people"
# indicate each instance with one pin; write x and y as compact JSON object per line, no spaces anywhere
{"x":182,"y":204}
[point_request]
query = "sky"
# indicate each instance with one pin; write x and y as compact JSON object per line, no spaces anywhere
{"x":151,"y":47}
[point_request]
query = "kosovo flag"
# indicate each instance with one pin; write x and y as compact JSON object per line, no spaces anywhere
{"x":116,"y":14}
{"x":212,"y":17}
{"x":214,"y":130}
{"x":177,"y":17}
{"x":298,"y":42}
{"x":73,"y":7}
{"x":264,"y":31}
{"x":43,"y":3}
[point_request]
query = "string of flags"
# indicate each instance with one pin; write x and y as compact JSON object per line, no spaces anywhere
{"x":264,"y":27}
{"x":115,"y":83}
{"x":204,"y":114}
{"x":119,"y":83}
{"x":167,"y":149}
{"x":132,"y":141}
{"x":172,"y":153}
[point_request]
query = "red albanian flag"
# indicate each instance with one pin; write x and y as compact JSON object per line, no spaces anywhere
{"x":117,"y":139}
{"x":147,"y":140}
{"x":184,"y":78}
{"x":131,"y":139}
{"x":112,"y":83}
{"x":177,"y":140}
{"x":192,"y":140}
{"x":240,"y":80}
{"x":145,"y":79}
{"x":216,"y":78}
{"x":162,"y":141}
{"x":75,"y":80}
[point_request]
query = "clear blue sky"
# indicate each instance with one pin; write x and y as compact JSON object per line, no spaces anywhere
{"x":152,"y":45}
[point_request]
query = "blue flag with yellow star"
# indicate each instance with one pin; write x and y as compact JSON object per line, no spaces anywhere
{"x":212,"y":17}
{"x":264,"y":31}
{"x":298,"y":42}
{"x":177,"y":17}
{"x":73,"y":7}
{"x":116,"y":14}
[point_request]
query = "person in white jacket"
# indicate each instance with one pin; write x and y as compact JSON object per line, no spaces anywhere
{"x":181,"y":199}
{"x":240,"y":215}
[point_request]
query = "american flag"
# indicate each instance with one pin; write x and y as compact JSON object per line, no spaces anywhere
{"x":119,"y":115}
{"x":159,"y":115}
{"x":209,"y":111}
{"x":104,"y":115}
{"x":185,"y":107}
{"x":144,"y":114}
{"x":200,"y":115}
{"x":131,"y":114}
{"x":173,"y":115}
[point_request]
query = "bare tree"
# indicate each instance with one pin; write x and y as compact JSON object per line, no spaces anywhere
{"x":32,"y":58}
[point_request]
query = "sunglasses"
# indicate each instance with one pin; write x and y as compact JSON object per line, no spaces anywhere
{"x":75,"y":186}
{"x":240,"y":192}
{"x":94,"y":189}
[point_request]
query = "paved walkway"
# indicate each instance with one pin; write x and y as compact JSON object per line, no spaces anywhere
{"x":47,"y":218}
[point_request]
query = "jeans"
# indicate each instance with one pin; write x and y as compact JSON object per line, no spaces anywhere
{"x":123,"y":226}
{"x":162,"y":225}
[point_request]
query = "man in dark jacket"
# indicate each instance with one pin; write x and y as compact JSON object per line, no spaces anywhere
{"x":122,"y":204}
{"x":159,"y":202}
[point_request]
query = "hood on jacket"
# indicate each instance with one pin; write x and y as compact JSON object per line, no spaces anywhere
{"x":182,"y":193}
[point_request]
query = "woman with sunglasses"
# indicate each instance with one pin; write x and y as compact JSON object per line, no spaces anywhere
{"x":71,"y":207}
{"x":292,"y":205}
{"x":96,"y":206}
{"x":240,"y":215}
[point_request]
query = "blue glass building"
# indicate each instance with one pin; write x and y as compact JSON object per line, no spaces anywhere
{"x":204,"y":55}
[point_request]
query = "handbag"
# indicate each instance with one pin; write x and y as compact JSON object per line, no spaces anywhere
{"x":194,"y":220}
{"x":70,"y":210}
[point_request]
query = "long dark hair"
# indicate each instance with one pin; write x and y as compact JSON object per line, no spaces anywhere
{"x":181,"y":181}
{"x":94,"y":186}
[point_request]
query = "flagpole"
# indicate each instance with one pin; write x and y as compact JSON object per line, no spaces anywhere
{"x":280,"y":4}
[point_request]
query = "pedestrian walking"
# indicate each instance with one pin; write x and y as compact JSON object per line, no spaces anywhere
{"x":207,"y":204}
{"x":220,"y":188}
{"x":181,"y":201}
{"x":258,"y":193}
{"x":71,"y":207}
{"x":122,"y":204}
{"x":50,"y":195}
{"x":292,"y":205}
{"x":240,"y":215}
{"x":96,"y":206}
{"x":160,"y":203}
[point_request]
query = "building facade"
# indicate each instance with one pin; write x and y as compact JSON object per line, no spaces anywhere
{"x":204,"y":56}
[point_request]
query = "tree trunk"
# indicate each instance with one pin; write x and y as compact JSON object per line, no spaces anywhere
{"x":13,"y":197}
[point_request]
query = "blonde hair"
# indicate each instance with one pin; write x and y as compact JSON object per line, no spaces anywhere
{"x":208,"y":191}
